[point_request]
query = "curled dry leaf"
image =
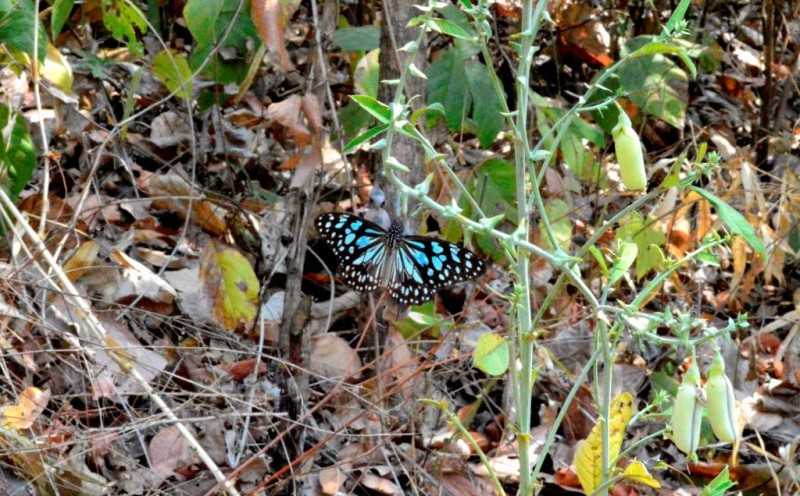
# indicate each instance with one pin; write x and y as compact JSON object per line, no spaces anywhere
{"x":139,"y":281}
{"x":82,"y":260}
{"x":31,"y":403}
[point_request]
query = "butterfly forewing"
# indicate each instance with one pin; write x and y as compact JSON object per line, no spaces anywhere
{"x":359,"y":246}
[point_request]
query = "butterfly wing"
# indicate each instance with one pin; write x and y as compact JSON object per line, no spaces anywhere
{"x":425,"y":265}
{"x":359,"y":245}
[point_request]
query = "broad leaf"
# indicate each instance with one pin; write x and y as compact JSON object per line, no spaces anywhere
{"x":487,"y":107}
{"x":357,"y":39}
{"x":492,"y":354}
{"x":735,"y":221}
{"x":173,"y":70}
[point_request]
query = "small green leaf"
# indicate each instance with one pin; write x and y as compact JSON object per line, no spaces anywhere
{"x":379,"y":110}
{"x":362,"y":138}
{"x":560,"y":224}
{"x":366,"y":77}
{"x":492,"y":354}
{"x":599,"y":258}
{"x":357,"y":39}
{"x":123,"y":19}
{"x":625,"y":258}
{"x":173,"y":70}
{"x":719,"y":485}
{"x":421,"y":318}
{"x":735,"y":221}
{"x":61,"y":11}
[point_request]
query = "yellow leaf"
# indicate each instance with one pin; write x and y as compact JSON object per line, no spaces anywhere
{"x":32,"y":402}
{"x":588,"y":456}
{"x":231,"y":284}
{"x":637,"y":472}
{"x":57,"y":70}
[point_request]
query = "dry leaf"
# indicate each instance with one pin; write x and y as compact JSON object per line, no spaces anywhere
{"x":31,"y":403}
{"x":140,"y":282}
{"x":168,"y":450}
{"x":271,"y":18}
{"x":84,"y":258}
{"x":332,"y":357}
{"x":172,"y":192}
{"x":330,"y":480}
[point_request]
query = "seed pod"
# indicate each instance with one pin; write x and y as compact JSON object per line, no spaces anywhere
{"x":721,"y":402}
{"x":687,"y":412}
{"x":628,"y":149}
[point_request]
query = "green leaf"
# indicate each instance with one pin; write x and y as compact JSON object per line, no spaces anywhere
{"x":487,"y":105}
{"x":173,"y":70}
{"x":364,"y":137}
{"x":357,"y":39}
{"x":123,"y":18}
{"x":17,"y":153}
{"x":61,"y":11}
{"x":451,"y":29}
{"x":719,"y":485}
{"x":648,"y":240}
{"x":377,"y":109}
{"x":677,"y":15}
{"x":560,"y":224}
{"x":494,"y":187}
{"x":625,"y":258}
{"x":447,"y":84}
{"x":421,"y":318}
{"x":17,"y":28}
{"x":654,"y":82}
{"x":367,"y":74}
{"x":492,"y":354}
{"x":735,"y":221}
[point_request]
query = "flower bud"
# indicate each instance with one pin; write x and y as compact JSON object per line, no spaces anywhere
{"x":628,"y":149}
{"x":687,"y":412}
{"x":721,"y":402}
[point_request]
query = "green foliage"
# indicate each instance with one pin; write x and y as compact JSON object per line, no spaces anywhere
{"x":357,"y":39}
{"x":626,"y":255}
{"x":208,"y":21}
{"x":648,"y":240}
{"x":735,"y":221}
{"x":465,"y":90}
{"x":719,"y":485}
{"x":17,"y":27}
{"x":422,"y":318}
{"x":492,"y":354}
{"x":122,"y":18}
{"x":173,"y":70}
{"x":494,"y":186}
{"x":17,"y":153}
{"x":61,"y":11}
{"x":560,"y":224}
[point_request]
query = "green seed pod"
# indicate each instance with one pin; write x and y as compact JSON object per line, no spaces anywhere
{"x":628,"y":149}
{"x":687,"y":412}
{"x":721,"y":402}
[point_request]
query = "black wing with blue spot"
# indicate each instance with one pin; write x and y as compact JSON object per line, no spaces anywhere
{"x":425,"y":265}
{"x":360,"y":248}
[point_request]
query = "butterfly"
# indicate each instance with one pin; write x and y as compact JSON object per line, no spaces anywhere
{"x":413,"y":268}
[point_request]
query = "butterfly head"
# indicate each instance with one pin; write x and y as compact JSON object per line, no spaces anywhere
{"x":395,"y":233}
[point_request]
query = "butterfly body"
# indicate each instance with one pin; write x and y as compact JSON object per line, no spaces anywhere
{"x":413,"y":268}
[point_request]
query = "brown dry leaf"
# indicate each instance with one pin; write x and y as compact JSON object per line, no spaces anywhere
{"x":82,"y":260}
{"x":271,"y":18}
{"x":313,"y":112}
{"x":170,"y":129}
{"x":172,"y":192}
{"x":582,"y":32}
{"x":229,"y":282}
{"x":31,"y":403}
{"x":330,"y":480}
{"x":739,"y":251}
{"x":168,"y":450}
{"x":288,"y":113}
{"x":380,"y":484}
{"x":332,"y":357}
{"x":309,"y":163}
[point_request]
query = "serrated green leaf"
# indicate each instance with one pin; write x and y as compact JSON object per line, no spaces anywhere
{"x":735,"y":221}
{"x":17,"y":152}
{"x":173,"y":71}
{"x":492,"y":354}
{"x":487,"y":107}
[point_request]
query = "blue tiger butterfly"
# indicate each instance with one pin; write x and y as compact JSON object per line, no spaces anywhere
{"x":413,"y":268}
